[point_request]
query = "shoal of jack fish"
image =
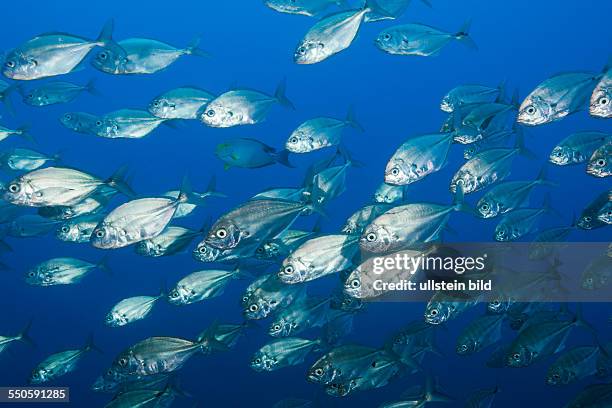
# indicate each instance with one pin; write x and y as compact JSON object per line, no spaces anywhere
{"x":255,"y":240}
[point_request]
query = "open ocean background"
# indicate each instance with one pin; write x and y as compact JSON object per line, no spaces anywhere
{"x":522,"y":41}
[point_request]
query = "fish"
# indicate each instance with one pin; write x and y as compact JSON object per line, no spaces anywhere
{"x":444,"y":306}
{"x":52,"y":93}
{"x":309,"y":8}
{"x":29,"y":225}
{"x":171,"y":241}
{"x":152,"y":382}
{"x":81,"y":122}
{"x":600,"y":163}
{"x":389,"y":194}
{"x":319,"y":257}
{"x":180,"y":103}
{"x":540,"y":248}
{"x":605,"y":214}
{"x":201,"y":285}
{"x":60,"y":186}
{"x":518,"y":223}
{"x":22,"y":132}
{"x":321,"y":132}
{"x":22,"y":336}
{"x":419,"y":396}
{"x":281,"y":353}
{"x":252,"y":222}
{"x":479,"y":334}
{"x":417,"y":158}
{"x":346,"y":362}
{"x":598,"y":274}
{"x":408,"y":225}
{"x":487,"y":167}
{"x":329,"y":183}
{"x":298,"y":317}
{"x":62,"y":271}
{"x":78,"y":230}
{"x":21,"y":159}
{"x":225,"y":334}
{"x":127,"y":123}
{"x":289,"y":194}
{"x":577,"y":148}
{"x":242,"y":107}
{"x":600,"y":105}
{"x":185,"y":209}
{"x":142,"y":56}
{"x":268,"y":294}
{"x":139,"y":220}
{"x":557,"y":97}
{"x":333,"y":34}
{"x":60,"y":364}
{"x":282,"y":245}
{"x":145,"y":397}
{"x":483,"y":398}
{"x":573,"y":365}
{"x":592,"y":395}
{"x":132,"y":309}
{"x":93,"y":204}
{"x":588,"y":219}
{"x":539,"y":341}
{"x":53,"y":54}
{"x":420,"y":40}
{"x":250,"y":154}
{"x":463,"y":95}
{"x":151,"y":356}
{"x":361,"y":218}
{"x":509,"y":195}
{"x":490,"y":140}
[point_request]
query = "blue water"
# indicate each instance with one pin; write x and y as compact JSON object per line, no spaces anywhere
{"x":394,"y":97}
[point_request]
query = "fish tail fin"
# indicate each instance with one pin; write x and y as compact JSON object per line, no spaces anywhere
{"x":280,"y":95}
{"x":548,"y":208}
{"x":432,"y":392}
{"x":348,"y":157}
{"x":24,"y":334}
{"x":282,"y":157}
{"x":186,"y":194}
{"x":106,"y":34}
{"x":119,"y":183}
{"x":352,"y":121}
{"x":522,"y":150}
{"x":194,"y":48}
{"x":24,"y":131}
{"x":543,"y":177}
{"x":463,"y":35}
{"x":103,"y":265}
{"x":208,"y":342}
{"x":374,"y":6}
{"x":90,"y":87}
{"x":90,"y":345}
{"x":211,"y":189}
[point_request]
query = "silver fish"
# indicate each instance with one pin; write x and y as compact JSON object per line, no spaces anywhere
{"x":318,"y":257}
{"x":180,"y":103}
{"x":557,"y":97}
{"x":21,"y":132}
{"x":283,"y":353}
{"x":131,"y":309}
{"x":268,"y":294}
{"x":53,"y":54}
{"x":308,"y":8}
{"x":93,"y":204}
{"x":418,"y":157}
{"x":298,"y":317}
{"x":79,"y":230}
{"x":141,"y":56}
{"x":588,"y":219}
{"x":519,"y":223}
{"x":573,"y":365}
{"x":420,"y":40}
{"x":357,"y":222}
{"x":577,"y":147}
{"x":29,"y":225}
{"x":479,"y":334}
{"x":127,"y":123}
{"x":389,"y":194}
{"x":600,"y":163}
{"x":201,"y":285}
{"x":81,"y":122}
{"x":23,"y":335}
{"x":53,"y":93}
{"x":605,"y":214}
{"x":20,"y":159}
{"x":598,"y":274}
{"x":62,"y":271}
{"x":318,"y":133}
{"x":172,"y":240}
{"x":242,"y":107}
{"x":59,"y":364}
{"x":601,"y":103}
{"x":469,"y":94}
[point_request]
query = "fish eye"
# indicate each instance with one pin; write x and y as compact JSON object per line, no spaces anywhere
{"x":318,"y":371}
{"x":531,"y":110}
{"x":10,"y":64}
{"x":433,"y":312}
{"x":371,"y":237}
{"x":463,"y":347}
{"x":100,"y":234}
{"x":98,"y":123}
{"x":301,"y":50}
{"x":245,"y":298}
{"x":395,"y":171}
{"x":288,"y":269}
{"x":253,"y":308}
{"x":485,"y":206}
{"x":277,"y":327}
{"x":588,"y":219}
{"x":604,"y":101}
{"x":601,"y":162}
{"x":68,"y":116}
{"x":387,"y":36}
{"x":174,"y":294}
{"x":293,"y":139}
{"x":65,"y":229}
{"x":221,"y":233}
{"x":257,"y":361}
{"x":156,"y":104}
{"x":556,"y":376}
{"x":123,"y":362}
{"x":14,"y":188}
{"x":210,"y":113}
{"x":103,"y":55}
{"x":260,"y":250}
{"x":30,"y":96}
{"x":202,"y":249}
{"x":355,"y":283}
{"x":31,"y":274}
